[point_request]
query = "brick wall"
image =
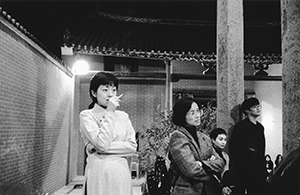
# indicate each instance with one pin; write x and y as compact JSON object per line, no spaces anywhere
{"x":36,"y":106}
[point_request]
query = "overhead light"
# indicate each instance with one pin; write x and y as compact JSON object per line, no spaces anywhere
{"x":81,"y":67}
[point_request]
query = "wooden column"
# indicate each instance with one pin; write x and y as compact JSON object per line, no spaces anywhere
{"x":230,"y":62}
{"x":290,"y":29}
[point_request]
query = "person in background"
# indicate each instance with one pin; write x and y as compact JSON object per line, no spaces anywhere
{"x":219,"y":141}
{"x":247,"y":152}
{"x":278,"y":159}
{"x":109,"y":136}
{"x":269,"y":167}
{"x":192,"y":156}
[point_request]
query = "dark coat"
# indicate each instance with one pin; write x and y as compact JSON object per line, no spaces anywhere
{"x":184,"y":154}
{"x":247,"y":155}
{"x":286,"y":177}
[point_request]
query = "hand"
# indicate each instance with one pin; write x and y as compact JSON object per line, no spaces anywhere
{"x":226,"y":190}
{"x":113,"y":103}
{"x":90,"y":148}
{"x":212,"y":158}
{"x":200,"y":163}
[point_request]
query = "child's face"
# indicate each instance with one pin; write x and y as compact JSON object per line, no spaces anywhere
{"x":220,"y":141}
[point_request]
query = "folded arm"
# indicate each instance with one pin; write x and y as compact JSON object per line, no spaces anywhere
{"x":180,"y":149}
{"x":100,"y":134}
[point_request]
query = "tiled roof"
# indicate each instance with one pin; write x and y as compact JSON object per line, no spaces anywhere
{"x":167,"y":39}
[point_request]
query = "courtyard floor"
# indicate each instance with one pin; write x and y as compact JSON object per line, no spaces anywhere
{"x":75,"y":187}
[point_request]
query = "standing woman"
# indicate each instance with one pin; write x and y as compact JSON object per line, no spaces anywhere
{"x":269,"y":167}
{"x":278,"y":159}
{"x":191,"y":153}
{"x":109,"y":136}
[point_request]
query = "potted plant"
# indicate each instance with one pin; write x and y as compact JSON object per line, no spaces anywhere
{"x":154,"y":139}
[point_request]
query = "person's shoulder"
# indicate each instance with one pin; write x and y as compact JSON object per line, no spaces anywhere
{"x":260,"y":124}
{"x":122,"y":113}
{"x":177,"y":133}
{"x":241,"y":123}
{"x":177,"y":136}
{"x":239,"y":128}
{"x":261,"y":127}
{"x":203,"y":135}
{"x":245,"y":120}
{"x":226,"y":156}
{"x":85,"y":112}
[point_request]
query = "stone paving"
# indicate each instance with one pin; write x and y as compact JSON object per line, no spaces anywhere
{"x":75,"y":187}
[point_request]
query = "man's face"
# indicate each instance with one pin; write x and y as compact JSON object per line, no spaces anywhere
{"x":254,"y":111}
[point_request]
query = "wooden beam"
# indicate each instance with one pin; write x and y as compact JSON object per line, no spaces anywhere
{"x":177,"y":77}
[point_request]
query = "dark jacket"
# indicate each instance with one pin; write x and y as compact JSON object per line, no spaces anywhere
{"x":286,"y":177}
{"x":184,"y":154}
{"x":247,"y":155}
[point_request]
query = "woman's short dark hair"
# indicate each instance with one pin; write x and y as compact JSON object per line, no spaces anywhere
{"x":217,"y":131}
{"x":278,"y":159}
{"x":248,"y":103}
{"x":268,"y":155}
{"x":180,"y":109}
{"x":101,"y":78}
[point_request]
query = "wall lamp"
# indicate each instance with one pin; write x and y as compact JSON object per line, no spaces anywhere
{"x":81,"y":67}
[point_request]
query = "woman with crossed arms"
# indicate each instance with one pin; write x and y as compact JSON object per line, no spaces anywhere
{"x":191,"y":152}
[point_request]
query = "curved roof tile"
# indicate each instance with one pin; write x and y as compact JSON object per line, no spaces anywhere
{"x":168,"y":39}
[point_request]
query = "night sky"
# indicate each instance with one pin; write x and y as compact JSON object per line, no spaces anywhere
{"x":47,"y":20}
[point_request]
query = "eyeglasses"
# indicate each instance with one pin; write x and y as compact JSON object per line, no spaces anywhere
{"x":194,"y":112}
{"x":256,"y":106}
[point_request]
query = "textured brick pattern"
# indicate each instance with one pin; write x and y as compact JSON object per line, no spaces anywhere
{"x":85,"y":100}
{"x":35,"y":111}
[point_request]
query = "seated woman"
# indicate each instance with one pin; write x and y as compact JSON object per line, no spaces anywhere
{"x":191,"y":153}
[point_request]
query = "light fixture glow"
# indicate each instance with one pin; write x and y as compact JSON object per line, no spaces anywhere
{"x":81,"y":67}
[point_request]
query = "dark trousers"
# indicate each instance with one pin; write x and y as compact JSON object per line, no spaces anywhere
{"x":253,"y":190}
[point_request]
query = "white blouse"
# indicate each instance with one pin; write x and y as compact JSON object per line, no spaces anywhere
{"x":109,"y":132}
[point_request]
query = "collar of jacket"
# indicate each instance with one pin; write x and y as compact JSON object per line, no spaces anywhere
{"x":191,"y":139}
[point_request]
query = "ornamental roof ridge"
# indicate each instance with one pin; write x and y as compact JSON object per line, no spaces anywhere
{"x":179,"y":21}
{"x":155,"y":21}
{"x":183,"y":56}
